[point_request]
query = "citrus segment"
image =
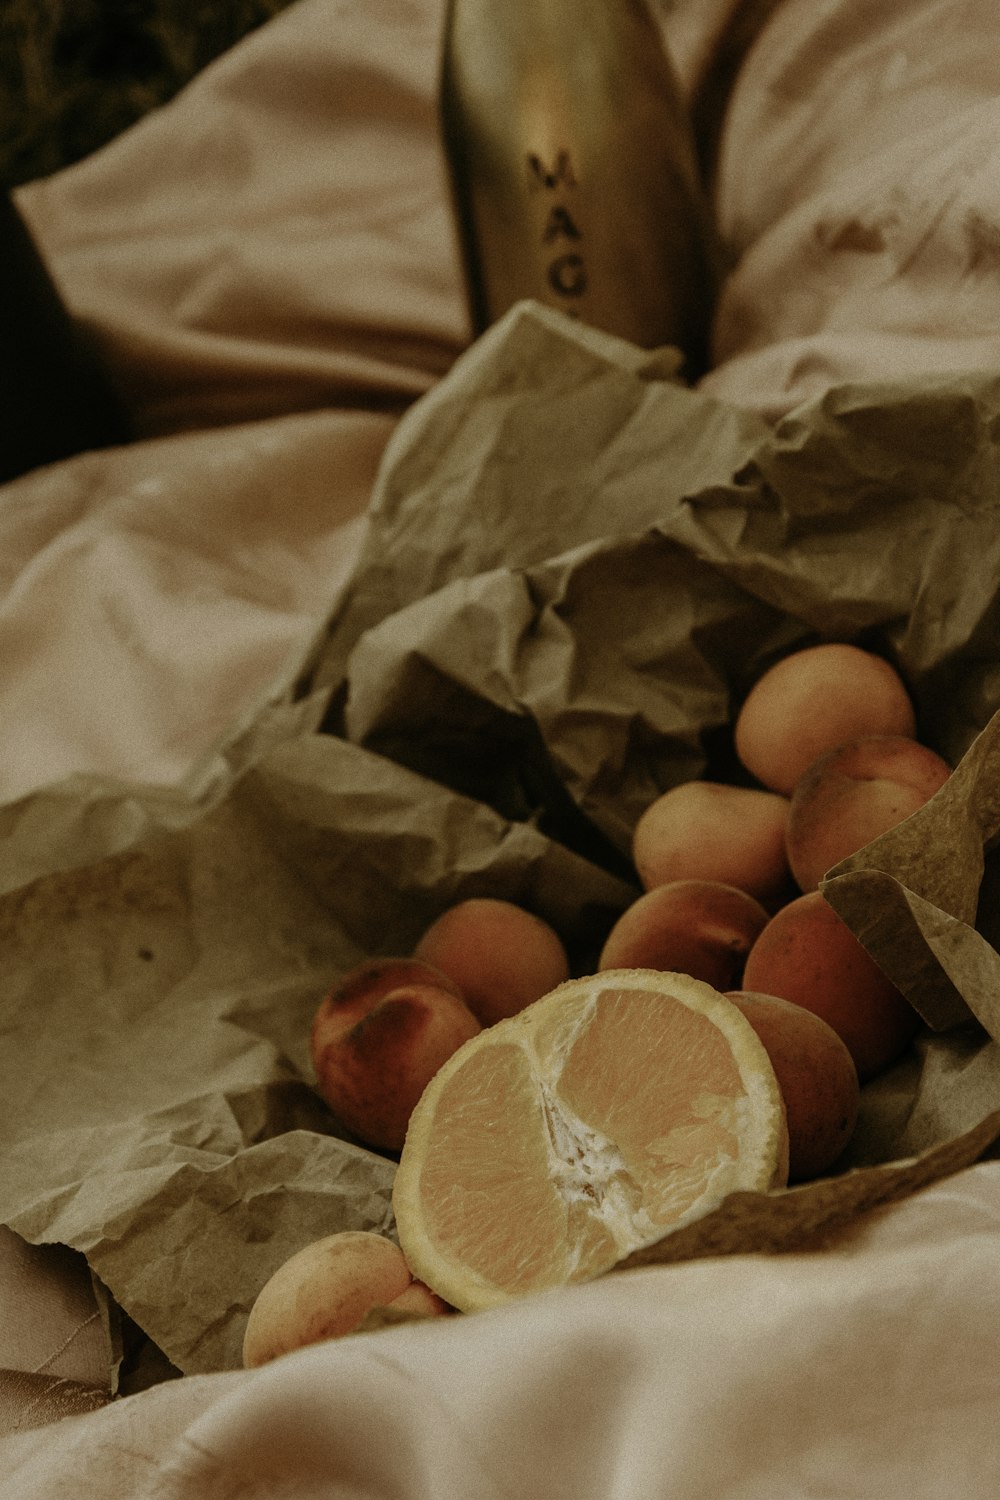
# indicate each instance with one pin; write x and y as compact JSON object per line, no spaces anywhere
{"x":553,"y":1144}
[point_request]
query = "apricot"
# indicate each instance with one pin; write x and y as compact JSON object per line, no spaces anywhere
{"x":500,"y":956}
{"x":358,"y":990}
{"x":376,"y":1048}
{"x":851,"y":795}
{"x":697,"y":927}
{"x":810,"y":702}
{"x":705,"y":830}
{"x":420,"y":1302}
{"x":816,"y":1075}
{"x":808,"y":955}
{"x":326,"y":1289}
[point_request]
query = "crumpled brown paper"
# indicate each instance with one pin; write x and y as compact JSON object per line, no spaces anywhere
{"x":574,"y":567}
{"x":157,"y":1110}
{"x":922,"y":897}
{"x":621,"y":658}
{"x":595,"y":562}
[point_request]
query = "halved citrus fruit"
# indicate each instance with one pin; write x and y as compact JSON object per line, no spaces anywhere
{"x":615,"y":1109}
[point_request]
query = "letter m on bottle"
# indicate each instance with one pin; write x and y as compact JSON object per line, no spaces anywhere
{"x":541,"y":175}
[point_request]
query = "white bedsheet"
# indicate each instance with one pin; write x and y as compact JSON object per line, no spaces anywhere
{"x":269,"y":267}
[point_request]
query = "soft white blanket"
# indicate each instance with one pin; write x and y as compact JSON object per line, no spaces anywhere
{"x":270,"y":269}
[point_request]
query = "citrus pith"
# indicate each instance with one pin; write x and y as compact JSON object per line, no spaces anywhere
{"x":615,"y":1109}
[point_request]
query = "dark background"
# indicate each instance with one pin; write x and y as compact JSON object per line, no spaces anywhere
{"x":75,"y":73}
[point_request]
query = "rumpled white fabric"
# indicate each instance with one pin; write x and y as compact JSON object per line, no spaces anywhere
{"x":269,"y":267}
{"x":866,"y":1369}
{"x":859,"y":200}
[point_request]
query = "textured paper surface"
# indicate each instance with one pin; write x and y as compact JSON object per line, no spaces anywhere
{"x":622,"y":657}
{"x":157,"y":1107}
{"x":498,"y":717}
{"x":673,"y":548}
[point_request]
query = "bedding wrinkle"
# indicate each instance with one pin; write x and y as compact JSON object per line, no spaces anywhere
{"x":270,"y":268}
{"x":279,"y":237}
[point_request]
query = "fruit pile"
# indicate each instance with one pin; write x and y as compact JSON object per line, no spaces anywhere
{"x":731,"y":873}
{"x":548,"y":1125}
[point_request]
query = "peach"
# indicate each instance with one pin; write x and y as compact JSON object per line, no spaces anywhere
{"x":697,"y":927}
{"x":375,"y":1049}
{"x":326,"y":1290}
{"x":808,"y":955}
{"x":851,"y":795}
{"x":816,"y":1075}
{"x":500,"y":956}
{"x":358,"y":990}
{"x":811,"y":701}
{"x":705,"y":830}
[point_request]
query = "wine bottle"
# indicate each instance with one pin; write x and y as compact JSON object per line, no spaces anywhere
{"x":574,"y":171}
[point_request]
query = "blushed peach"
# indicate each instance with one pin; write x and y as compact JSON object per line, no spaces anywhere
{"x":705,"y":830}
{"x":808,"y":955}
{"x":811,"y":701}
{"x":327,"y":1289}
{"x":851,"y":795}
{"x":501,"y":956}
{"x":816,"y":1075}
{"x":696,"y":927}
{"x":357,"y":991}
{"x":375,"y":1051}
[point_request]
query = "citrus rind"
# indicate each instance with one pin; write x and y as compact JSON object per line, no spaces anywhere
{"x":529,"y":1161}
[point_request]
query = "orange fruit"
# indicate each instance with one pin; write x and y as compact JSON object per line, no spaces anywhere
{"x":613,"y":1110}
